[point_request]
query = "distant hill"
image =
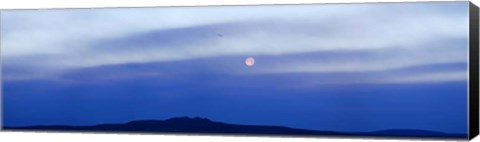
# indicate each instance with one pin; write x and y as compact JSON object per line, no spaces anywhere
{"x":206,"y":126}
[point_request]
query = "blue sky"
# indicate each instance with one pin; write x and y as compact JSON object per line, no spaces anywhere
{"x":341,"y":67}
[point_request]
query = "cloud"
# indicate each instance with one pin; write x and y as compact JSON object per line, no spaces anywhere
{"x":52,"y":42}
{"x":54,"y":28}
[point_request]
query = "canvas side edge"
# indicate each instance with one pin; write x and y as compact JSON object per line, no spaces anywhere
{"x":473,"y":101}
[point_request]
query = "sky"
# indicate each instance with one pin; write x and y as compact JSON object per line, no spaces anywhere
{"x":339,"y":67}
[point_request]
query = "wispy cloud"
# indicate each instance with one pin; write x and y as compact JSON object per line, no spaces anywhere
{"x":52,"y":42}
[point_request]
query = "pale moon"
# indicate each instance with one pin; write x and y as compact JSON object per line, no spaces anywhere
{"x":249,"y":61}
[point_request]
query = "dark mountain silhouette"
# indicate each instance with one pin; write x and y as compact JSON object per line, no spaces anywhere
{"x":413,"y":133}
{"x":203,"y":125}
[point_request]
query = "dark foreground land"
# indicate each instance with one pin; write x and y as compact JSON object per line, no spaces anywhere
{"x":205,"y":126}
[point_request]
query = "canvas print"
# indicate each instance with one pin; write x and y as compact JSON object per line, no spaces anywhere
{"x":372,"y":69}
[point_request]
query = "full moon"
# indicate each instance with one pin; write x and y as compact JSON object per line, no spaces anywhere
{"x":249,"y":61}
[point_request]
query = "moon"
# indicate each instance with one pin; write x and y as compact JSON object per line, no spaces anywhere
{"x":250,"y":61}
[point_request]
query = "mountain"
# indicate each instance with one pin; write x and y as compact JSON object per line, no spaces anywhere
{"x":206,"y":126}
{"x":414,"y":133}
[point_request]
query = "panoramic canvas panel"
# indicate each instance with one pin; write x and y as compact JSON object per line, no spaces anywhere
{"x":378,"y":69}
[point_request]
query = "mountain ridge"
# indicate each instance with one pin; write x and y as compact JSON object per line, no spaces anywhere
{"x":205,"y":125}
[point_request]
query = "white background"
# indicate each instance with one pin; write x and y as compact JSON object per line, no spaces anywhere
{"x":91,"y":137}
